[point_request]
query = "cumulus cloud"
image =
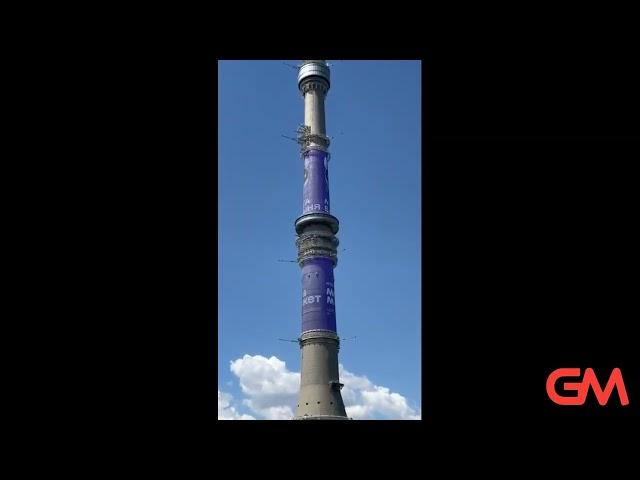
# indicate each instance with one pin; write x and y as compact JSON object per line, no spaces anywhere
{"x":364,"y":400}
{"x":271,"y":388}
{"x":271,"y":392}
{"x":228,"y":412}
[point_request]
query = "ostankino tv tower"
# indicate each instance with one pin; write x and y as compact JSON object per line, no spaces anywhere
{"x":320,"y":397}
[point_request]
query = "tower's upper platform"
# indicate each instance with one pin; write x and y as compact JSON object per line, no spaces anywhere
{"x":314,"y":69}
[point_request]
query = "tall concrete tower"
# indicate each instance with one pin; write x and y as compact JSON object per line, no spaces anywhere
{"x":319,"y":397}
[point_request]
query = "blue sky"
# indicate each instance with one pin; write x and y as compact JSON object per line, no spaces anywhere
{"x":373,"y":114}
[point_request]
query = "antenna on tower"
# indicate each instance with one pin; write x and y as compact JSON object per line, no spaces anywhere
{"x":289,"y":65}
{"x":286,"y":340}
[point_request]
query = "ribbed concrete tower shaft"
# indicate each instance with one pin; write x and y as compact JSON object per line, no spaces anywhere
{"x":319,"y":397}
{"x":314,"y":111}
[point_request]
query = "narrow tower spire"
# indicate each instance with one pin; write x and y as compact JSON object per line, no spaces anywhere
{"x":320,"y":397}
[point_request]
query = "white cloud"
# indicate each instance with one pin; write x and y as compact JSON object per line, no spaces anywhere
{"x":272,"y":390}
{"x":226,"y":411}
{"x":364,"y":400}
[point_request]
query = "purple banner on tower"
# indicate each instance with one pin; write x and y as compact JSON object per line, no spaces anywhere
{"x":318,"y":296}
{"x":315,"y":195}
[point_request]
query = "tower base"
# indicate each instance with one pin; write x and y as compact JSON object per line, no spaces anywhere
{"x":320,"y":397}
{"x":322,"y":417}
